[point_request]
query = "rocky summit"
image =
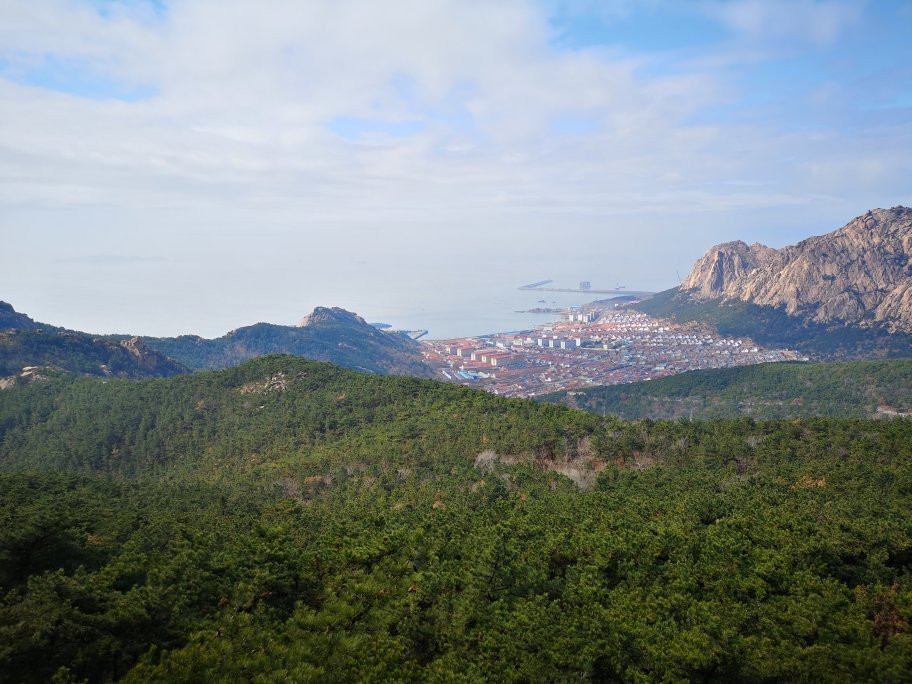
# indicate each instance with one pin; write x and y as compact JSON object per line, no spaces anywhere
{"x":859,"y":274}
{"x":10,"y":318}
{"x":335,"y":314}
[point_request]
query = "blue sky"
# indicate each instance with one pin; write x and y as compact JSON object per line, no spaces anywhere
{"x":151,"y":148}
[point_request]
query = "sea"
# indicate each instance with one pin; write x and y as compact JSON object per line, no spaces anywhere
{"x":485,"y":313}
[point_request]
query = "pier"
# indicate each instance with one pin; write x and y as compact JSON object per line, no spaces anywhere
{"x":537,"y":287}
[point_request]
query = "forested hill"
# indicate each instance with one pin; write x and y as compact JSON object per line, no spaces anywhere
{"x":30,"y":350}
{"x":333,"y":335}
{"x":27,"y":354}
{"x":774,"y":327}
{"x":10,"y":318}
{"x":329,"y":334}
{"x":264,"y":414}
{"x":855,"y":389}
{"x":290,"y":520}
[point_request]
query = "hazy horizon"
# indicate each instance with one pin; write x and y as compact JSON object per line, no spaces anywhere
{"x":193,"y":166}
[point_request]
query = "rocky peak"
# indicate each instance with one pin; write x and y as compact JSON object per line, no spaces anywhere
{"x":136,"y":347}
{"x":149,"y":359}
{"x":323,"y":315}
{"x":10,"y":318}
{"x":725,"y":264}
{"x":860,"y":273}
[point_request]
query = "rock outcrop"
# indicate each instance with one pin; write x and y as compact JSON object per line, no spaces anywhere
{"x":724,"y":265}
{"x":150,"y":361}
{"x":859,"y":274}
{"x":12,"y":319}
{"x":335,"y":314}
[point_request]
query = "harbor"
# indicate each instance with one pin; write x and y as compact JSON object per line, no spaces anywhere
{"x":584,"y":288}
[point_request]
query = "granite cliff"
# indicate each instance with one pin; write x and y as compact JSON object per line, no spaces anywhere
{"x":859,"y":274}
{"x":325,"y":315}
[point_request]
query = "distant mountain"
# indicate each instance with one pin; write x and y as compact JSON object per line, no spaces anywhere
{"x":854,"y":389}
{"x":326,"y":334}
{"x":861,"y":273}
{"x":77,"y":352}
{"x":846,"y":294}
{"x":10,"y":318}
{"x":29,"y":350}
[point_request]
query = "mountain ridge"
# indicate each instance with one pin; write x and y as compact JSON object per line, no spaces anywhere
{"x":327,"y":334}
{"x":839,"y":296}
{"x":26,"y":346}
{"x":858,"y":274}
{"x":10,"y":318}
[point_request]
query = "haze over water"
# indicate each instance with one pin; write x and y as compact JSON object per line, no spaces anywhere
{"x":195,"y":166}
{"x":475,"y":314}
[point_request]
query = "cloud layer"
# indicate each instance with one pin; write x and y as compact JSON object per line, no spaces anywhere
{"x":222,"y":130}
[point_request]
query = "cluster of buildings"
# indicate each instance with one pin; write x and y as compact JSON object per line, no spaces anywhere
{"x":589,"y":348}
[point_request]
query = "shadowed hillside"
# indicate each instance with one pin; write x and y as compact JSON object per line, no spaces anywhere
{"x":328,"y":334}
{"x":856,"y":389}
{"x":333,"y":335}
{"x":27,"y":348}
{"x":773,"y":327}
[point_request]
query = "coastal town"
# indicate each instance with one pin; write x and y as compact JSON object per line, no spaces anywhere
{"x":587,"y":347}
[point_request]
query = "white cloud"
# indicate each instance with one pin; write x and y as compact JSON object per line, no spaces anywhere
{"x":245,"y":94}
{"x":238,"y":133}
{"x":819,"y":22}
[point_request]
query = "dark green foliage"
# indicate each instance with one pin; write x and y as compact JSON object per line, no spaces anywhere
{"x":344,"y":343}
{"x":24,"y":343}
{"x":10,"y":318}
{"x":288,"y":520}
{"x":335,"y":335}
{"x":773,"y":327}
{"x":77,"y":352}
{"x":256,"y":415}
{"x":852,"y":389}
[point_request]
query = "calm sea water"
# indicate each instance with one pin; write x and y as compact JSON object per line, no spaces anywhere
{"x":479,"y":314}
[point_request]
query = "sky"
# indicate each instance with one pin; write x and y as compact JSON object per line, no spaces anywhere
{"x":191,"y":166}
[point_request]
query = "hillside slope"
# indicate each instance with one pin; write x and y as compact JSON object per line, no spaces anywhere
{"x":261,"y":412}
{"x":327,"y":334}
{"x":10,"y":318}
{"x":859,"y":274}
{"x":843,"y":295}
{"x":288,"y":520}
{"x":857,"y":389}
{"x":27,"y":344}
{"x":332,"y":335}
{"x":773,"y":327}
